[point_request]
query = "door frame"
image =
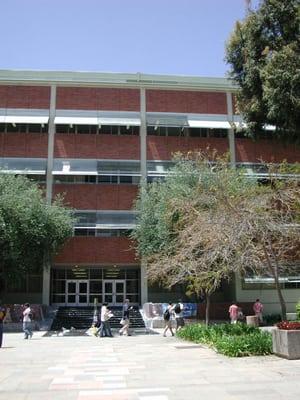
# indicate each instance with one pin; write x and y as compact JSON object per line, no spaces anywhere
{"x":77,"y":282}
{"x":114,"y":292}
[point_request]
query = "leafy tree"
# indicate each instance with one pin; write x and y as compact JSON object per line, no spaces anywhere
{"x":206,"y":222}
{"x":31,"y":231}
{"x":264,"y":54}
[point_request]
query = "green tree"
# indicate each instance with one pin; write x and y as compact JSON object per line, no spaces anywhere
{"x":264,"y":54}
{"x":31,"y":232}
{"x":207,"y":222}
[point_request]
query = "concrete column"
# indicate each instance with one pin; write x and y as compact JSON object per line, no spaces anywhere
{"x":144,"y":283}
{"x":143,"y":135}
{"x":143,"y":160}
{"x":231,"y":137}
{"x":49,"y":185}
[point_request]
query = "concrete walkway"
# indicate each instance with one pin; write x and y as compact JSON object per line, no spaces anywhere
{"x":142,"y":367}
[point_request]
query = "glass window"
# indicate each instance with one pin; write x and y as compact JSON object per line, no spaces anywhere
{"x":95,"y":286}
{"x":105,"y":130}
{"x":84,"y":129}
{"x":132,"y":286}
{"x":96,"y":273}
{"x":59,"y":286}
{"x":98,"y":297}
{"x":58,"y":298}
{"x":2,"y":127}
{"x":175,"y":131}
{"x":132,"y":274}
{"x":126,"y":179}
{"x":59,"y":273}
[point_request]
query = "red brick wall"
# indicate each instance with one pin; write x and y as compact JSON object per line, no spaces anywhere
{"x":248,"y":150}
{"x":97,"y":250}
{"x":24,"y":96}
{"x":162,"y":148}
{"x":98,"y":197}
{"x":97,"y":146}
{"x":79,"y":98}
{"x":186,"y":102}
{"x":23,"y":145}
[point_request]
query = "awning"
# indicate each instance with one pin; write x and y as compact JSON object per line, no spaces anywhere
{"x":97,"y":121}
{"x":194,"y":123}
{"x":163,"y":119}
{"x":23,"y":119}
{"x":106,"y":226}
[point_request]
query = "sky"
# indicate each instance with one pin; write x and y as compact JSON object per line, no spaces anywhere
{"x":176,"y":37}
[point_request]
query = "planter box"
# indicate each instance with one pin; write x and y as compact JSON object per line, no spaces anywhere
{"x":286,"y":343}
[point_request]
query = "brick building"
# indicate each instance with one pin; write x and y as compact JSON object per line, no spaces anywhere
{"x":93,"y":137}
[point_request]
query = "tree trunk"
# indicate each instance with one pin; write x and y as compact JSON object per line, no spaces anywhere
{"x":207,"y":309}
{"x":275,"y":273}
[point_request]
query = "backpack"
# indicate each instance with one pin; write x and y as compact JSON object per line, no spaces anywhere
{"x":167,"y":315}
{"x":177,"y":309}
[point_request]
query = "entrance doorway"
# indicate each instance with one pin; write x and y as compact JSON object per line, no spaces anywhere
{"x":77,"y":292}
{"x":114,"y":292}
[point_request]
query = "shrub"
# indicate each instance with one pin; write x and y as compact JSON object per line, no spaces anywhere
{"x":288,"y":325}
{"x":298,"y":310}
{"x":272,"y":319}
{"x":234,"y":340}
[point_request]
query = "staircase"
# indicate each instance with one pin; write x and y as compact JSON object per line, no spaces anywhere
{"x":82,"y":318}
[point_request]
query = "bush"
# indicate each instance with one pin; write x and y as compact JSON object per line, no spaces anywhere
{"x":272,"y":319}
{"x":234,"y":340}
{"x":298,"y":310}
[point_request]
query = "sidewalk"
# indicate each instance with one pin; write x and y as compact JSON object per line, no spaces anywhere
{"x":141,"y":367}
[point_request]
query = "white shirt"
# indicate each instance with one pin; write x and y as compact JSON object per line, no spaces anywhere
{"x":179,"y":315}
{"x":26,"y":317}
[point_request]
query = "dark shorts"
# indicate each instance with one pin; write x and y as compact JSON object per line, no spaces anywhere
{"x":179,"y":322}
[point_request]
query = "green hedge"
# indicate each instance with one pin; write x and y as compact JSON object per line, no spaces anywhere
{"x":238,"y":340}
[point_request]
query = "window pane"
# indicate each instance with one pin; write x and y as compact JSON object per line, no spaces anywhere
{"x":58,"y":298}
{"x":59,"y":286}
{"x":95,"y":286}
{"x":132,"y":274}
{"x":132,"y":286}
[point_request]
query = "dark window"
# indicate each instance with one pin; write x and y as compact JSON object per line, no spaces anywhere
{"x":84,"y":129}
{"x":175,"y":131}
{"x":125,"y":179}
{"x":2,"y":127}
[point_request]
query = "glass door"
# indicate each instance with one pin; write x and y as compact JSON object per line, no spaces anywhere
{"x":77,"y":292}
{"x":114,"y":292}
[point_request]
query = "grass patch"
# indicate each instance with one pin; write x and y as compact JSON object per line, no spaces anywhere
{"x":238,"y":340}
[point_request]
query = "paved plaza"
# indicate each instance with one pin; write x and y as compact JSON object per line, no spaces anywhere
{"x":140,"y":367}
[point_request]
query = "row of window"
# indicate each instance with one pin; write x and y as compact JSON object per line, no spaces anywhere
{"x":102,"y":232}
{"x":115,"y":130}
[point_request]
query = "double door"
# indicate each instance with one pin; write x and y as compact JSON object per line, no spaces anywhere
{"x":77,"y":292}
{"x":114,"y":291}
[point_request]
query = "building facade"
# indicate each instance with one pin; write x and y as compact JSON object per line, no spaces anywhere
{"x":93,"y":137}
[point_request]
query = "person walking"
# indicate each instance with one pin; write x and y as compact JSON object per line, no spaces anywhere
{"x":125,"y":318}
{"x":258,"y":309}
{"x":168,"y":314}
{"x":2,"y":317}
{"x":178,"y":310}
{"x":27,"y":317}
{"x":233,"y":313}
{"x":105,"y":315}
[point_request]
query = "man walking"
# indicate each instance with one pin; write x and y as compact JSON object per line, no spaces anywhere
{"x":233,"y":313}
{"x":178,"y":310}
{"x":258,"y":309}
{"x":27,"y":317}
{"x":104,"y":317}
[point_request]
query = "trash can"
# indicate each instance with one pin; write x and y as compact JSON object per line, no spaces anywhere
{"x":252,"y":320}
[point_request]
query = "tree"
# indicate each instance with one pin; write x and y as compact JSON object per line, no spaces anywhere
{"x":264,"y":54}
{"x":206,"y":222}
{"x":30,"y":230}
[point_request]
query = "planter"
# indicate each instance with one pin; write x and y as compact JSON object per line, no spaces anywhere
{"x":252,"y":320}
{"x":286,"y":343}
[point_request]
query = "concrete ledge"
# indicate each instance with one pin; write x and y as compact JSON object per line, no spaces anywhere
{"x":286,"y":343}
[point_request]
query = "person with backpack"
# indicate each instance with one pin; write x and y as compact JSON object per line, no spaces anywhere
{"x":178,"y":310}
{"x":125,"y":319}
{"x":168,"y":319}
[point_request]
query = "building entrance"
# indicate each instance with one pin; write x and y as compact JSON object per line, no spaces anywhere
{"x":114,"y":291}
{"x":77,"y":292}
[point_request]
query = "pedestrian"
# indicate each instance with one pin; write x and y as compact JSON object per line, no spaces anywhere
{"x":125,"y":318}
{"x":2,"y":317}
{"x":105,"y":315}
{"x":258,"y":309}
{"x":233,"y":313}
{"x":178,"y":310}
{"x":168,"y":314}
{"x":27,"y":318}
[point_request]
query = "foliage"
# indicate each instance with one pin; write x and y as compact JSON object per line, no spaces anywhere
{"x":264,"y":54}
{"x":233,"y":340}
{"x":271,"y":319}
{"x":288,"y":325}
{"x":31,"y":231}
{"x":298,"y":310}
{"x":206,"y":221}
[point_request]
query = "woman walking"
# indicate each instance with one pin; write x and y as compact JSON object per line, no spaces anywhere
{"x":125,"y":319}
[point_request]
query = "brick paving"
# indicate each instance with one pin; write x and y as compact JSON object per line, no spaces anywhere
{"x":141,"y":367}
